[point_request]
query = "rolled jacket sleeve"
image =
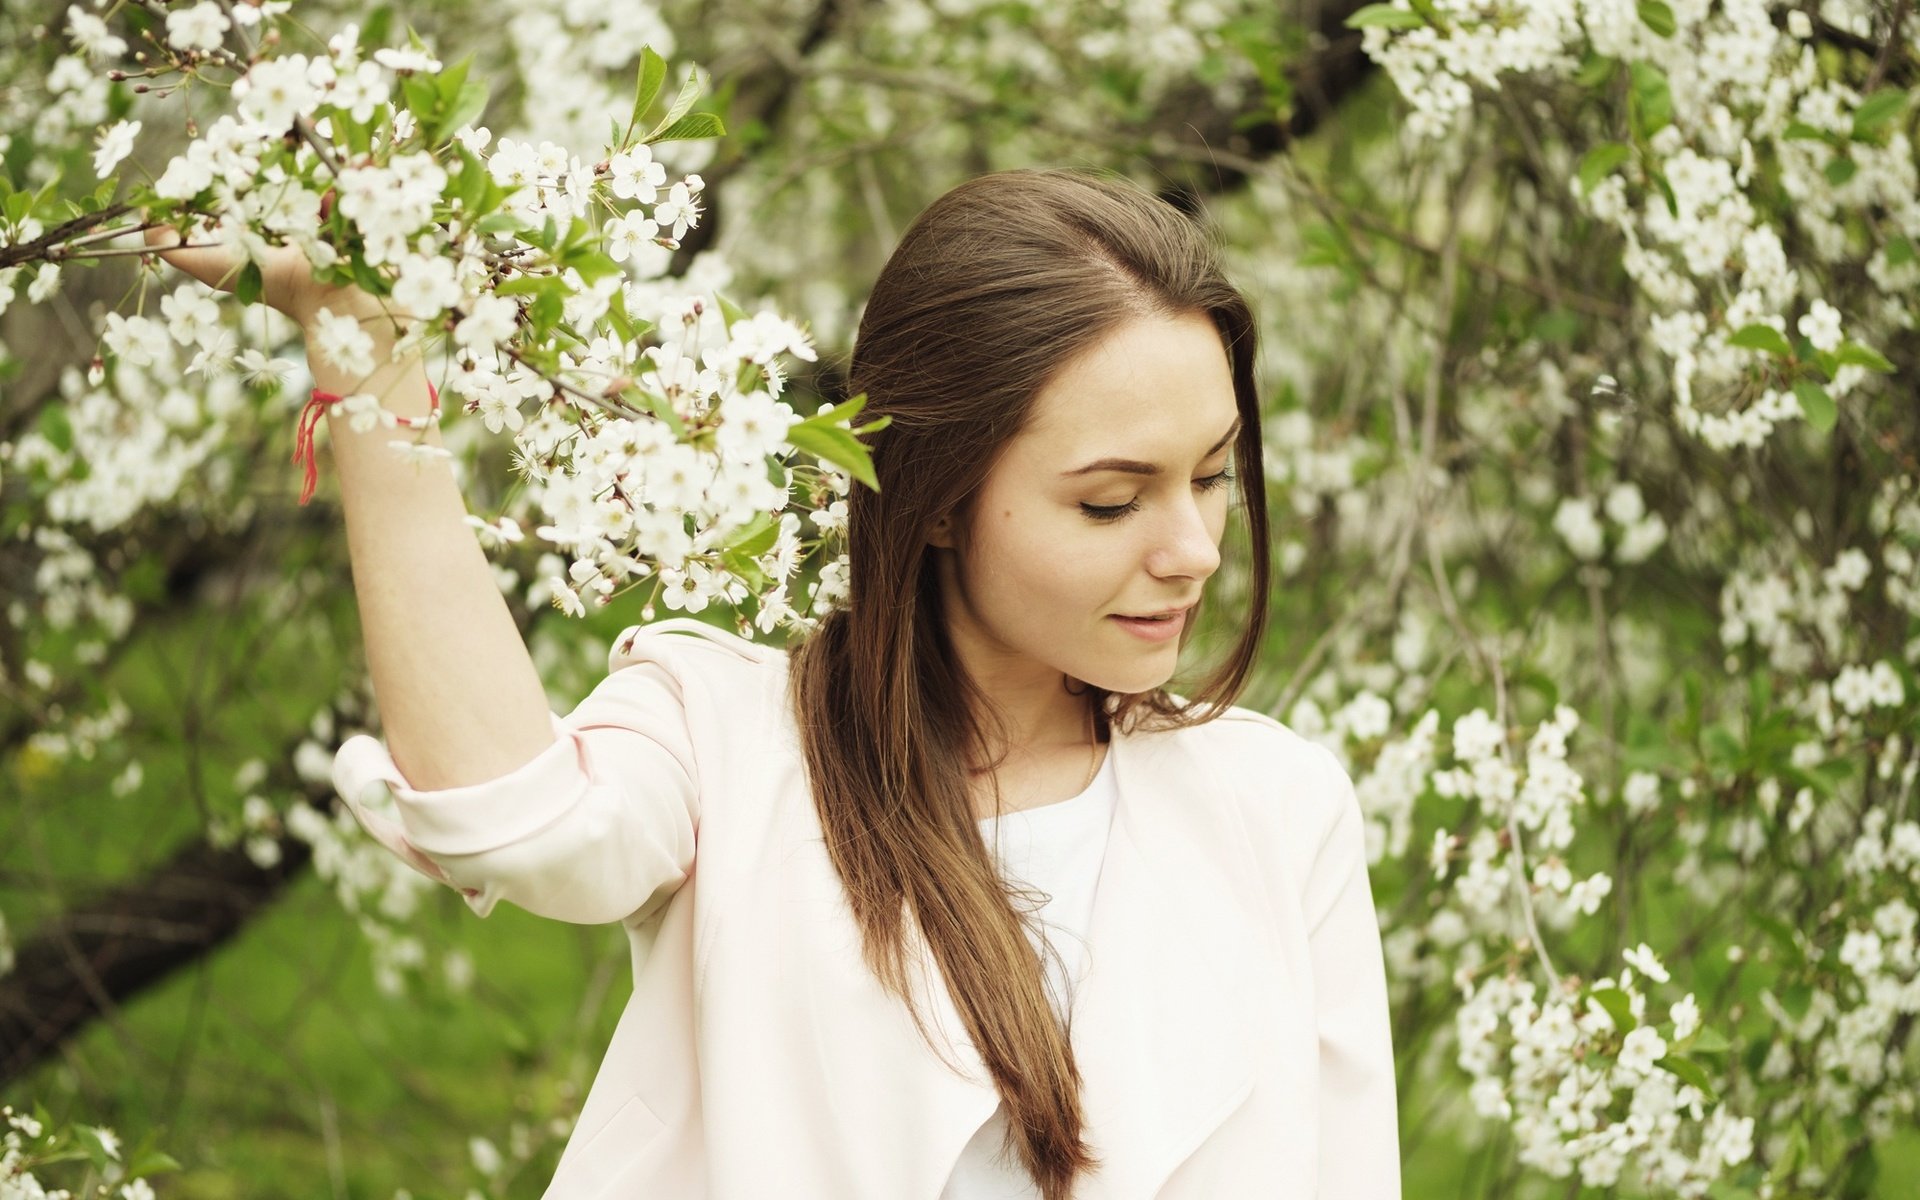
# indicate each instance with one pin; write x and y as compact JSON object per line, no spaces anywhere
{"x":597,"y":827}
{"x":1358,"y":1106}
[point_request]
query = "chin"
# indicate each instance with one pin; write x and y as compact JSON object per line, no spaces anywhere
{"x":1129,"y":681}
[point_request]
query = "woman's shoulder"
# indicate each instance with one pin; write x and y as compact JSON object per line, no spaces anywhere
{"x":1270,"y":760}
{"x":675,"y":637}
{"x":1246,"y":733}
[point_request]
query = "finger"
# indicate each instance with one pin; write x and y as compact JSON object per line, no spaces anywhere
{"x":215,"y":266}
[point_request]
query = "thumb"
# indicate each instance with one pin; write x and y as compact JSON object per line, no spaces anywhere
{"x":214,"y":265}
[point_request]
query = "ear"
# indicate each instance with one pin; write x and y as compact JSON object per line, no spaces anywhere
{"x":940,"y":533}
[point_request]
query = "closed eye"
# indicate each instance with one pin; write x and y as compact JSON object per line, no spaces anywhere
{"x":1113,"y":512}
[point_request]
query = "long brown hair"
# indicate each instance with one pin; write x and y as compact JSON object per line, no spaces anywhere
{"x":992,"y":289}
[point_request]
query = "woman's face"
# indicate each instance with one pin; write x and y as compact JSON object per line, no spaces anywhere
{"x":1110,"y":503}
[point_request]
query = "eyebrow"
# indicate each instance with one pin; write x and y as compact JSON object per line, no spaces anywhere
{"x":1133,"y":466}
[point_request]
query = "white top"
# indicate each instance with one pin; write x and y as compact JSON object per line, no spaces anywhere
{"x":1057,"y":848}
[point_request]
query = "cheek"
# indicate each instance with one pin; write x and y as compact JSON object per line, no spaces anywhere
{"x":1040,"y":568}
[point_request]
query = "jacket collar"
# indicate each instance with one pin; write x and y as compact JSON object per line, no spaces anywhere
{"x":1162,"y":1029}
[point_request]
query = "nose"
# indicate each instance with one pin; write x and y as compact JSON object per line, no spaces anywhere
{"x":1187,"y":545}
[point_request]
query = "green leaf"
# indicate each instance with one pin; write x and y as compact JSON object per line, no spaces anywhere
{"x":448,"y":82}
{"x":825,"y":436}
{"x":367,"y":277}
{"x":1855,"y":355}
{"x":89,"y":1139}
{"x":836,"y":446}
{"x":617,"y":314}
{"x":1796,"y":1000}
{"x":1600,"y":163}
{"x":729,"y":311}
{"x":653,"y":70}
{"x":376,"y":29}
{"x":1652,"y":99}
{"x":1688,"y":1071}
{"x":1385,"y":16}
{"x":1617,"y":1005}
{"x":1876,"y":111}
{"x":1666,"y":193}
{"x":547,"y":309}
{"x":470,"y":188}
{"x":420,"y":95}
{"x":248,"y":287}
{"x":464,"y":110}
{"x":692,"y":127}
{"x":1708,"y":1041}
{"x":1721,"y":746}
{"x":1428,"y":13}
{"x":1762,"y":337}
{"x":500,"y":223}
{"x":682,"y":104}
{"x":529,"y":285}
{"x":1840,"y":170}
{"x":358,"y":135}
{"x":1788,"y":1160}
{"x":662,"y":410}
{"x":841,"y":413}
{"x":756,"y":537}
{"x":745,"y":567}
{"x":1899,"y":251}
{"x":1819,"y":408}
{"x":1595,"y":70}
{"x":1800,"y":131}
{"x":153,"y":1162}
{"x":56,"y":428}
{"x":1657,"y":17}
{"x":593,"y":265}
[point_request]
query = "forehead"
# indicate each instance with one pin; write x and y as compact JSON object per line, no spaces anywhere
{"x":1154,"y":387}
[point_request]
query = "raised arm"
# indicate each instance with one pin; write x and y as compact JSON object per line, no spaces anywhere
{"x":589,"y":818}
{"x":459,"y":698}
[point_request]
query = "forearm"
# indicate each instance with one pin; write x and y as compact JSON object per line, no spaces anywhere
{"x":459,"y":699}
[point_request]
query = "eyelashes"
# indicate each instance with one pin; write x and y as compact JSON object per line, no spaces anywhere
{"x":1114,"y":512}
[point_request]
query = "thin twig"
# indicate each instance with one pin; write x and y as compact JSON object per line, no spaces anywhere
{"x":1517,"y":854}
{"x":29,"y":251}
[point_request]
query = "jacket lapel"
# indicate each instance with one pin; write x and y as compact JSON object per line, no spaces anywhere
{"x":1161,"y":1026}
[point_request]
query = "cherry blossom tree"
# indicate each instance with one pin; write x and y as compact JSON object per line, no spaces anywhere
{"x":1589,"y":333}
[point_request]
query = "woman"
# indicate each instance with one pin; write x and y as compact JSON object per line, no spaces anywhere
{"x":954,"y":899}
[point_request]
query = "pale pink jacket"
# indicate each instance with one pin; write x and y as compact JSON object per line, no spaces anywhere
{"x":1233,"y":1032}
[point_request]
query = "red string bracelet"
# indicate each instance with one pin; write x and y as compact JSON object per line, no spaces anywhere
{"x":303,"y":451}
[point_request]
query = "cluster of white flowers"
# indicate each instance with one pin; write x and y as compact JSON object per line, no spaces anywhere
{"x":1895,"y":519}
{"x":1312,"y":468}
{"x":155,"y":432}
{"x":1584,"y":1082}
{"x":1640,"y":532}
{"x":27,"y":1145}
{"x":1801,"y":615}
{"x":1722,"y":88}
